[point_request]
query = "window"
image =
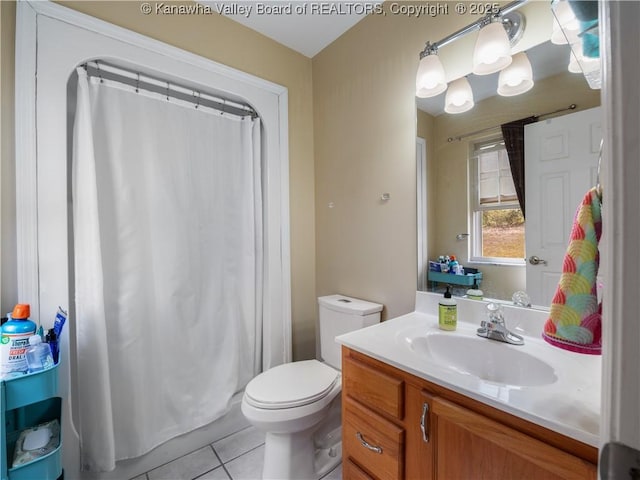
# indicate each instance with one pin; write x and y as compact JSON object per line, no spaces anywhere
{"x":497,"y":221}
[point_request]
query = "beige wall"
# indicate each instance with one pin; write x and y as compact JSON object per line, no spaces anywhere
{"x":365,"y":129}
{"x":232,"y":44}
{"x":451,"y":216}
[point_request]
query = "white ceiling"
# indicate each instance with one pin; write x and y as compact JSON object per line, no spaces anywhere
{"x":307,"y":33}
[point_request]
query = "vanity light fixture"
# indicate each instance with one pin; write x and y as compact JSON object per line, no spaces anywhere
{"x":499,"y":29}
{"x":565,"y":25}
{"x":492,"y":52}
{"x":517,"y":78}
{"x":578,"y":32}
{"x":574,"y":63}
{"x":459,"y":97}
{"x":430,"y":80}
{"x":580,"y":63}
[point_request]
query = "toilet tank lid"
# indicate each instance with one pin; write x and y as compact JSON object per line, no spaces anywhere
{"x":354,"y":306}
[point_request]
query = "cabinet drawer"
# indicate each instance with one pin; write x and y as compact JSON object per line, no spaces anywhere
{"x":372,"y":441}
{"x":351,"y":471}
{"x":373,"y":388}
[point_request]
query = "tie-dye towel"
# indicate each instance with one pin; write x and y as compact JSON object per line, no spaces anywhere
{"x":575,"y":319}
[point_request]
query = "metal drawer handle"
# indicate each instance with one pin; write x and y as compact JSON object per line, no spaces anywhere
{"x":367,"y":445}
{"x":423,"y":423}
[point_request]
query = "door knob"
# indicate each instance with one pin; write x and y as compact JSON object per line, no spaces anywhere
{"x":535,"y":260}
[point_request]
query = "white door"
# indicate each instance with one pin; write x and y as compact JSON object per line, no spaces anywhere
{"x":620,"y":420}
{"x":561,"y":164}
{"x":421,"y":188}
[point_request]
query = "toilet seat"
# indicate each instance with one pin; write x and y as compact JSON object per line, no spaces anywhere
{"x":291,"y":385}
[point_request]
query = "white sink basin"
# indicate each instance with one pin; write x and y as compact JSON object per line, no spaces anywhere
{"x":486,"y":359}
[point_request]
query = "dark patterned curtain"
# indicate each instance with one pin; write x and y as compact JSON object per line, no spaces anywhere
{"x":513,"y":134}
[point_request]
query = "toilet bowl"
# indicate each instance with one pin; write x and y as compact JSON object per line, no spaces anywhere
{"x":284,"y":404}
{"x":297,"y":404}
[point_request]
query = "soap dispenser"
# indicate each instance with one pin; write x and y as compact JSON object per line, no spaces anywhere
{"x":447,"y":312}
{"x":475,"y":293}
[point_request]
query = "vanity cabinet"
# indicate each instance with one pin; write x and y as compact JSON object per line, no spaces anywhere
{"x":398,"y":426}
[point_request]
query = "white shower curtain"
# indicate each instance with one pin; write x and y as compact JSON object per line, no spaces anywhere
{"x":167,"y":221}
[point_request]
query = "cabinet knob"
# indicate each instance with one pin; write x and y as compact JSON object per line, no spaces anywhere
{"x":365,"y":444}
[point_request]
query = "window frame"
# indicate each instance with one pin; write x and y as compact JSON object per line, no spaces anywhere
{"x":476,"y":209}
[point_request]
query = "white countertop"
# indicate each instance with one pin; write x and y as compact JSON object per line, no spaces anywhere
{"x":570,"y":405}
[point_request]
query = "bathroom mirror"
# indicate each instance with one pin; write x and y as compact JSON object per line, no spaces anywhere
{"x":447,"y":172}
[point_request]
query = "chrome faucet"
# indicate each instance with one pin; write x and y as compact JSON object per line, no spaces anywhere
{"x":495,"y":328}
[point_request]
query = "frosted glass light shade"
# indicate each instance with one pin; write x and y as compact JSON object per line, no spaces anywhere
{"x":564,"y":19}
{"x":517,"y":78}
{"x":579,"y":63}
{"x":459,"y":97}
{"x":430,"y":79}
{"x":492,"y":51}
{"x":574,"y":64}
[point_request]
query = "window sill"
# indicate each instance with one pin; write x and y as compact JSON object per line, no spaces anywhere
{"x":497,"y":263}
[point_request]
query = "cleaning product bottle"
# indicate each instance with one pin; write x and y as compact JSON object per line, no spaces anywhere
{"x":453,"y":264}
{"x":475,"y":293}
{"x":38,"y":354}
{"x":447,"y":312}
{"x":14,"y":340}
{"x":444,"y":264}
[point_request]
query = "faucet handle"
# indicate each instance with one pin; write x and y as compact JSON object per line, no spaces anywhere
{"x":521,"y":299}
{"x":495,"y":328}
{"x":494,"y":312}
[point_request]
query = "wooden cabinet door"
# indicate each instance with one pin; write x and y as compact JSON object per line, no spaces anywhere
{"x":470,"y":446}
{"x":420,"y":435}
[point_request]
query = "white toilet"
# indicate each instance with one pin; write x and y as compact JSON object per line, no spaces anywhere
{"x":298,"y":404}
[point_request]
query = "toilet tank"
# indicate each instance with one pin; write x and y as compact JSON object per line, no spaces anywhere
{"x":338,"y":315}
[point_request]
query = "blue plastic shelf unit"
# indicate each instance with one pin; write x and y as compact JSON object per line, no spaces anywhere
{"x":449,"y":278}
{"x":27,"y":401}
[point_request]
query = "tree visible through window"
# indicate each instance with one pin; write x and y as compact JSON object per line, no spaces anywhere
{"x":498,"y":223}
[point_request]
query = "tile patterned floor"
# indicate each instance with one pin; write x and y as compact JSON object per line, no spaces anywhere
{"x":236,"y":457}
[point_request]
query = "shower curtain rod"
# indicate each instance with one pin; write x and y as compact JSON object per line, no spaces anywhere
{"x":138,"y":80}
{"x":471,"y":134}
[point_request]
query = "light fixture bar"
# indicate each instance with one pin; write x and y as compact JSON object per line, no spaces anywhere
{"x":470,"y":28}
